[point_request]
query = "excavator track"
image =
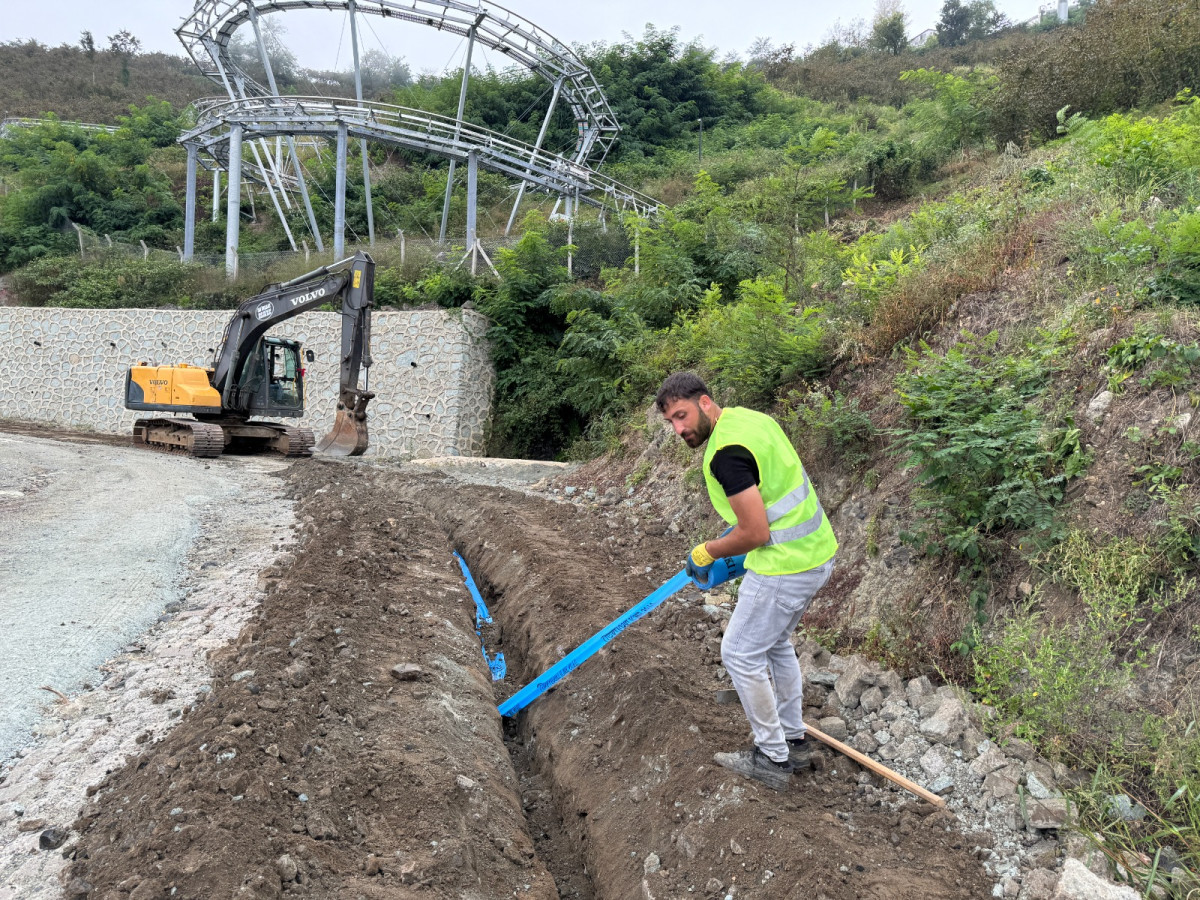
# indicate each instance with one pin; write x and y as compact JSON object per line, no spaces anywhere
{"x":300,"y":441}
{"x":199,"y":439}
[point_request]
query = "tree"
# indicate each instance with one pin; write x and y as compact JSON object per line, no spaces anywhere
{"x":125,"y":45}
{"x":88,"y":43}
{"x":954,"y":25}
{"x":889,"y":27}
{"x":123,"y":42}
{"x":984,"y":19}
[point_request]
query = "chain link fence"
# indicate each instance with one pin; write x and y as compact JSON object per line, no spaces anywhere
{"x":586,"y":249}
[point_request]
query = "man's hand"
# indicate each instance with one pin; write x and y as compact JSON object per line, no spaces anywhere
{"x":699,"y":564}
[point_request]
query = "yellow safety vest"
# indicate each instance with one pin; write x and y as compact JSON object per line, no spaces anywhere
{"x":801,"y":536}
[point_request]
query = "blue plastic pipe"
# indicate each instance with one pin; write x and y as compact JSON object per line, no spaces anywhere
{"x":576,"y":657}
{"x":495,"y":663}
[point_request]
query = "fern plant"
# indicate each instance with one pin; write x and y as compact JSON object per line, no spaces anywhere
{"x":988,"y":457}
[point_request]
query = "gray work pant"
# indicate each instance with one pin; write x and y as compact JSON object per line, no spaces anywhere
{"x":757,"y":651}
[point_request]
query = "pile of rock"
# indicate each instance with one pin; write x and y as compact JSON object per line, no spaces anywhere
{"x":1007,"y":798}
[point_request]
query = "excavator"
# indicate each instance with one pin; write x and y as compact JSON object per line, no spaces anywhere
{"x":211,"y":410}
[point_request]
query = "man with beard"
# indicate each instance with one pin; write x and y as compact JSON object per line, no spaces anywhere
{"x":758,"y":485}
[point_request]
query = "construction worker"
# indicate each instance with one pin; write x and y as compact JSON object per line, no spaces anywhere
{"x":757,"y":483}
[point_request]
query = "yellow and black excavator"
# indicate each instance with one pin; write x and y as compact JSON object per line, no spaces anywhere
{"x":256,"y":375}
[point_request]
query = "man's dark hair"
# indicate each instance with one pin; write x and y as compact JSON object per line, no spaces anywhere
{"x":680,"y":386}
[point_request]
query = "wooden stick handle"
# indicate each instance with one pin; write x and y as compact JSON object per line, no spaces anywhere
{"x":877,"y":767}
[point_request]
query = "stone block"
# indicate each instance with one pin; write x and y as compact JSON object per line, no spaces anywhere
{"x":855,"y":678}
{"x":1038,"y":885}
{"x":1087,"y":850}
{"x":823,"y":677}
{"x":936,"y":760}
{"x":893,"y":710}
{"x":1039,"y":782}
{"x":1078,"y":883}
{"x":1045,"y":815}
{"x":864,"y":742}
{"x":989,"y":761}
{"x":871,"y":699}
{"x":946,"y":724}
{"x":891,"y":684}
{"x":834,"y":727}
{"x":942,"y":785}
{"x":1002,"y":783}
{"x":917,"y":690}
{"x":970,"y":742}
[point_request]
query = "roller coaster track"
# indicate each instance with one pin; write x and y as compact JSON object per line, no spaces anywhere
{"x":255,"y":112}
{"x":207,"y":33}
{"x":411,"y":128}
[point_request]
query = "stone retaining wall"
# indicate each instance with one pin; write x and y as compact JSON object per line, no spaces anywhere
{"x":432,"y":374}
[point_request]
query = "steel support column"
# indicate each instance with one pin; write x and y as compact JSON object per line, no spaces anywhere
{"x":462,"y":104}
{"x":216,"y":194}
{"x":472,"y":188}
{"x":363,"y":142}
{"x":339,"y":200}
{"x":233,"y":211}
{"x":291,"y":141}
{"x":536,"y":149}
{"x":189,"y":206}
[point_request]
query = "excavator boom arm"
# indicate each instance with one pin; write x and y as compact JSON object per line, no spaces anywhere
{"x":351,"y":281}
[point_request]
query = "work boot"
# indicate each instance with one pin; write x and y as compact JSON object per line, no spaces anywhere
{"x":757,"y":765}
{"x":800,"y":753}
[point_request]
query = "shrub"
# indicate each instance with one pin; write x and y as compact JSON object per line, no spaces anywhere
{"x":823,"y":423}
{"x":988,"y":458}
{"x":753,"y":346}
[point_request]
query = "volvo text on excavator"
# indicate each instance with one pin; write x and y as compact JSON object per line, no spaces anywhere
{"x":257,"y":375}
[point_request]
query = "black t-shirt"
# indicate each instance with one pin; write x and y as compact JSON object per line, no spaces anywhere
{"x":735,"y":469}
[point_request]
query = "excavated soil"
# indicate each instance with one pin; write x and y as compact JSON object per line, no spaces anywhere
{"x":350,"y":745}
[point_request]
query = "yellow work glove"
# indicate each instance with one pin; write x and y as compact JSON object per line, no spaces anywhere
{"x":699,"y":563}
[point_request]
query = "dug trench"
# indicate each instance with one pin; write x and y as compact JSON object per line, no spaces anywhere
{"x":350,"y":745}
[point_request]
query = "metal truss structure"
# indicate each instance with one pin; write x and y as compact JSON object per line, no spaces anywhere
{"x":255,"y":113}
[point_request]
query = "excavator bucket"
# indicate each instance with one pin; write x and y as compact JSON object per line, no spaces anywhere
{"x":349,"y":434}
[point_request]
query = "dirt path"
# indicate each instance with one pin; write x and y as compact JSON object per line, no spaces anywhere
{"x":102,"y":542}
{"x":323,"y":764}
{"x":94,"y":547}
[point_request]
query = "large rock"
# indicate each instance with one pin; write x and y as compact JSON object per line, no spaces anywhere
{"x":936,"y":760}
{"x":822,"y":677}
{"x":1002,"y":783}
{"x":1045,"y":815}
{"x":1038,"y":885}
{"x":855,"y":678}
{"x":894,"y":710}
{"x":1077,"y":883}
{"x":871,"y":699}
{"x":834,"y":727}
{"x":891,"y":684}
{"x":1099,"y":406}
{"x":1039,"y":781}
{"x":1087,"y":850}
{"x":917,"y":690}
{"x":946,"y":724}
{"x":1120,"y":806}
{"x":864,"y":742}
{"x":989,"y":761}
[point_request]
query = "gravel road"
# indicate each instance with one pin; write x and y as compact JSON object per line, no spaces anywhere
{"x":93,"y":549}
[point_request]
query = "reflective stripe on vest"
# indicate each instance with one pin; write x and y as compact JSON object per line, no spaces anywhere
{"x":781,"y":508}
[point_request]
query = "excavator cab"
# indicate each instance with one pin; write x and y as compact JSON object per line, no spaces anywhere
{"x":272,"y":383}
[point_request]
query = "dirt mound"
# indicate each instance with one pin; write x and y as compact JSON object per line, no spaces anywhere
{"x":312,"y":770}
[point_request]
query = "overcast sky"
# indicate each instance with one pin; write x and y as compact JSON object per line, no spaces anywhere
{"x":321,"y":40}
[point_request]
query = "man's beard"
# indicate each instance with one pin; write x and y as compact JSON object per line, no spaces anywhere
{"x":704,"y":427}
